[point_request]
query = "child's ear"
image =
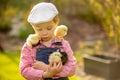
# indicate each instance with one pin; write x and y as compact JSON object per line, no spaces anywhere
{"x":56,"y":20}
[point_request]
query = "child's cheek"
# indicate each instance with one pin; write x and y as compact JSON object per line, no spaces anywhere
{"x":37,"y":32}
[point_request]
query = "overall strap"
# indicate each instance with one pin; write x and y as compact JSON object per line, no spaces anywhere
{"x":57,"y":44}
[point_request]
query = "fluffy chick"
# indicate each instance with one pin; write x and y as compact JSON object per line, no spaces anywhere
{"x":61,"y":31}
{"x":33,"y":39}
{"x":55,"y":57}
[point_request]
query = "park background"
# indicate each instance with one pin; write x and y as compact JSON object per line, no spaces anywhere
{"x":94,"y":28}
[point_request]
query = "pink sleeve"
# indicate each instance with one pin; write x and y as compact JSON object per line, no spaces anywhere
{"x":26,"y":60}
{"x":70,"y":67}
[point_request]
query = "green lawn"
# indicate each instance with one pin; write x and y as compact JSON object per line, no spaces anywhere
{"x":9,"y":67}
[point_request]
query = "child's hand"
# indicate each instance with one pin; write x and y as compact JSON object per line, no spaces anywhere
{"x":52,"y":70}
{"x":40,"y":65}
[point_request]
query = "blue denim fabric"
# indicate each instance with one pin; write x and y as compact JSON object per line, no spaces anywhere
{"x":42,"y":54}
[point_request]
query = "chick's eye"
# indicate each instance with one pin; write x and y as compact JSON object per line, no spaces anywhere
{"x":55,"y":54}
{"x":64,"y":29}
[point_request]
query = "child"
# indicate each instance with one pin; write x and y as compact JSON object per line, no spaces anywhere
{"x":44,"y":19}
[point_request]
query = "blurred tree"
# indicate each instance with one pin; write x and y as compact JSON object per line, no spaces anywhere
{"x":109,"y":14}
{"x":3,"y":5}
{"x":23,"y":5}
{"x":4,"y":23}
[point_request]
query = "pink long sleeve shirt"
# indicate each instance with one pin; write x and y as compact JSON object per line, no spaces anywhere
{"x":28,"y":57}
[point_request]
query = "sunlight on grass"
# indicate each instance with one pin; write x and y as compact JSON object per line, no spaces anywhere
{"x":76,"y":78}
{"x":9,"y":65}
{"x":79,"y":56}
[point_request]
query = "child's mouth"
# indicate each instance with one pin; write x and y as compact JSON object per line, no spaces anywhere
{"x":45,"y":39}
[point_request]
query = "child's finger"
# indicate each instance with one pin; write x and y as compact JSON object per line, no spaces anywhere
{"x":59,"y":65}
{"x":54,"y":64}
{"x":51,"y":64}
{"x":34,"y":60}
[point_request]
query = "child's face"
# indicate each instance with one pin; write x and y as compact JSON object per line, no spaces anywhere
{"x":45,"y":30}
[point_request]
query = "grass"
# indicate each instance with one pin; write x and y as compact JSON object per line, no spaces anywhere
{"x":76,"y":78}
{"x":9,"y":67}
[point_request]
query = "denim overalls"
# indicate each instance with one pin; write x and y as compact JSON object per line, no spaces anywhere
{"x":42,"y":54}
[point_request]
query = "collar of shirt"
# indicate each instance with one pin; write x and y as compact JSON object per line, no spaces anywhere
{"x":52,"y":42}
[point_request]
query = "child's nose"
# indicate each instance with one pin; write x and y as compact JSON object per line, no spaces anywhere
{"x":44,"y":32}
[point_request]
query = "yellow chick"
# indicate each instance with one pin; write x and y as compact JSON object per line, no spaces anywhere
{"x":33,"y":39}
{"x":55,"y":57}
{"x":61,"y":31}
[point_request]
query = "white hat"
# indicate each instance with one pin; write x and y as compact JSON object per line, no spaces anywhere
{"x":42,"y":12}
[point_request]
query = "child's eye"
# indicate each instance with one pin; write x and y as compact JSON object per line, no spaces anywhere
{"x":49,"y":28}
{"x":39,"y":29}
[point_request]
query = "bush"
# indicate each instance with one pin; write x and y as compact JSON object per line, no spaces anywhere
{"x":6,"y":19}
{"x":25,"y":31}
{"x":5,"y":26}
{"x":108,"y":12}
